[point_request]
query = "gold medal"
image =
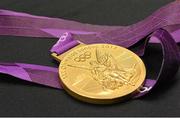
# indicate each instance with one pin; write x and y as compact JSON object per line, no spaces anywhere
{"x":101,"y":73}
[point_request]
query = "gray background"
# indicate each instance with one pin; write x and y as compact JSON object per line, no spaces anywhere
{"x":19,"y":98}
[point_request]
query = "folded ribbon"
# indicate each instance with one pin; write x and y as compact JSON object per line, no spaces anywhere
{"x":148,"y":30}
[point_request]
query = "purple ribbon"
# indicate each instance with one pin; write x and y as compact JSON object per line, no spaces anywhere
{"x":163,"y":27}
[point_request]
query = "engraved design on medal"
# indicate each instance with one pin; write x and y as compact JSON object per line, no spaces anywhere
{"x":83,"y":57}
{"x":106,"y":72}
{"x":109,"y":74}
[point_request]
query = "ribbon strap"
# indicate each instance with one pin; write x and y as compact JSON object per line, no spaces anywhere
{"x":170,"y":63}
{"x":21,"y":24}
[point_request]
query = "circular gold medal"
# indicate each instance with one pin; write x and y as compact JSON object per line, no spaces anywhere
{"x":101,"y":73}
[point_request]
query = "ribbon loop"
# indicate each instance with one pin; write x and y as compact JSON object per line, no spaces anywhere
{"x":170,"y":63}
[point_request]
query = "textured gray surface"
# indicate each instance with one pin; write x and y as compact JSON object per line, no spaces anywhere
{"x":18,"y":98}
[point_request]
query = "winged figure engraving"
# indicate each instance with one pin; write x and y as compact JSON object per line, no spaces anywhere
{"x":107,"y":73}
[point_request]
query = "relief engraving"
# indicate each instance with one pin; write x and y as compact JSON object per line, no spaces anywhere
{"x":83,"y":57}
{"x":106,"y":72}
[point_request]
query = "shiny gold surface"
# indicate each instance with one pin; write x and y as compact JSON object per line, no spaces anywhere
{"x":101,"y":73}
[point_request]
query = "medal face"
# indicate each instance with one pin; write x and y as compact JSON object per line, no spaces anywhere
{"x":101,"y":73}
